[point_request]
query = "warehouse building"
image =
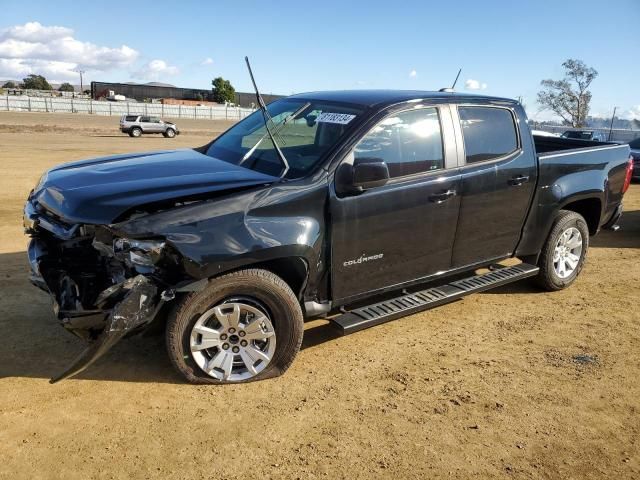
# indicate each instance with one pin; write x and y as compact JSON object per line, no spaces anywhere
{"x":155,"y":91}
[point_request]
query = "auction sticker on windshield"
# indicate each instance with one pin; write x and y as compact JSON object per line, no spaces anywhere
{"x":341,"y":118}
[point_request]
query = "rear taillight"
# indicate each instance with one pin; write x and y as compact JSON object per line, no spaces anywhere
{"x":627,"y":178}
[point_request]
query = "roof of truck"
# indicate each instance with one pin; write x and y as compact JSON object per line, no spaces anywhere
{"x":372,"y":98}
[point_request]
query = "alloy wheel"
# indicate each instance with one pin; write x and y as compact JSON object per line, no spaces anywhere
{"x":233,"y":341}
{"x":567,"y":252}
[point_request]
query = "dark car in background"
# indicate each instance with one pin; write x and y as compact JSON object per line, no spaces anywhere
{"x":635,"y":154}
{"x":585,"y":135}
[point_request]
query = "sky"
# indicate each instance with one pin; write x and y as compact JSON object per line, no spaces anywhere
{"x":505,"y":48}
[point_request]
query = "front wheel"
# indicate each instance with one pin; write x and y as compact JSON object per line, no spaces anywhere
{"x":564,"y":252}
{"x":243,"y":326}
{"x":170,"y":133}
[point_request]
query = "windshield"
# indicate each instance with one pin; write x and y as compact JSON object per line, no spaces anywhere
{"x":635,"y":143}
{"x":303,"y":139}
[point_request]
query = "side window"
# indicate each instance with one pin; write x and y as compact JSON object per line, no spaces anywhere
{"x":409,"y":142}
{"x":488,"y":133}
{"x":145,"y":119}
{"x":131,"y":118}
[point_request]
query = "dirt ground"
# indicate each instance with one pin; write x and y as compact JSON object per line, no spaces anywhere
{"x":513,"y":383}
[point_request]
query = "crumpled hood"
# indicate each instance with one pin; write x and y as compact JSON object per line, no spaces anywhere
{"x":97,"y":191}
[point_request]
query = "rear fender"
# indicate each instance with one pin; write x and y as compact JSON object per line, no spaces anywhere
{"x":572,"y":188}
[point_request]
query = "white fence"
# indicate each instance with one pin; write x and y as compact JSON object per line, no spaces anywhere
{"x":99,"y":107}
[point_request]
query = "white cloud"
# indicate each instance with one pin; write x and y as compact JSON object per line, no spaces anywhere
{"x":156,"y":70}
{"x":52,"y":51}
{"x":472,"y":84}
{"x":413,"y":74}
{"x":35,"y":32}
{"x":207,"y":61}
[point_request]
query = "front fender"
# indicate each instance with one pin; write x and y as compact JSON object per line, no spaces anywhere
{"x":216,"y":236}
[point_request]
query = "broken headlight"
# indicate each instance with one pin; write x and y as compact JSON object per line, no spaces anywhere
{"x":141,"y":253}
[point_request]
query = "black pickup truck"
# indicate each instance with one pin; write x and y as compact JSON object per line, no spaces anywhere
{"x":359,"y":206}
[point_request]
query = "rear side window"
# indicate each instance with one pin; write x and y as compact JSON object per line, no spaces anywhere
{"x":409,"y":142}
{"x":131,"y":118}
{"x":488,"y":133}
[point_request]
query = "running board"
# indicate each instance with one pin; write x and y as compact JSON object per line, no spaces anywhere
{"x":377,"y":313}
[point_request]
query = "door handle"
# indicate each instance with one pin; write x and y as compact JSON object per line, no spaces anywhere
{"x":519,"y":180}
{"x":442,"y":197}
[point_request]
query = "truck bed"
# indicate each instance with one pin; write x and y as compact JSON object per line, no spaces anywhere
{"x":551,"y":146}
{"x":569,"y":167}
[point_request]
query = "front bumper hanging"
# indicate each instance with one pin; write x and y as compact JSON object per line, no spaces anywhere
{"x":137,"y":308}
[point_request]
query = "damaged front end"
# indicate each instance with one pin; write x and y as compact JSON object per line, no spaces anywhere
{"x":103,"y":287}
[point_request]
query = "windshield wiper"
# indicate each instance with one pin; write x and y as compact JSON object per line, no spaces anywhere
{"x":276,"y":131}
{"x":267,"y":121}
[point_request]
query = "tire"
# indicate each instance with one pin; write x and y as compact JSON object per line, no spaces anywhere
{"x":549,"y":277}
{"x":169,"y":133}
{"x":135,"y":132}
{"x":258,"y":290}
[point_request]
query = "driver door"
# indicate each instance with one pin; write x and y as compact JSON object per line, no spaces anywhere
{"x":404,"y":230}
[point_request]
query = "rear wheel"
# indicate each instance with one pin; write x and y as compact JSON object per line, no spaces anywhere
{"x":135,"y":132}
{"x":564,"y":252}
{"x":243,"y":326}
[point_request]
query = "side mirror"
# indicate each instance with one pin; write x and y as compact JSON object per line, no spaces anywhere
{"x":311,"y":120}
{"x":369,"y":173}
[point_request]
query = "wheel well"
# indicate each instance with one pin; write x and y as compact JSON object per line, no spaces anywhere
{"x":293,"y":270}
{"x":590,"y":209}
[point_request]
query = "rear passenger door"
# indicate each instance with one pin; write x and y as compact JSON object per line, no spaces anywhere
{"x":498,"y":180}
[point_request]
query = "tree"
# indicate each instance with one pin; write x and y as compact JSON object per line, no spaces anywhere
{"x":36,"y":82}
{"x":66,"y":87}
{"x":569,"y":98}
{"x":223,"y":91}
{"x":10,"y":84}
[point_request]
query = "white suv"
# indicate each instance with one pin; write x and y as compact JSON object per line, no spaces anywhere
{"x":136,"y":125}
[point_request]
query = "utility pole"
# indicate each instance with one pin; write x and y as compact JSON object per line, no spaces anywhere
{"x":611,"y":125}
{"x":81,"y":86}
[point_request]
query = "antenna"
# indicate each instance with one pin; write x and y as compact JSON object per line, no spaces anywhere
{"x":255,"y":87}
{"x":456,"y":80}
{"x":268,"y":122}
{"x":450,"y":89}
{"x":261,"y":104}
